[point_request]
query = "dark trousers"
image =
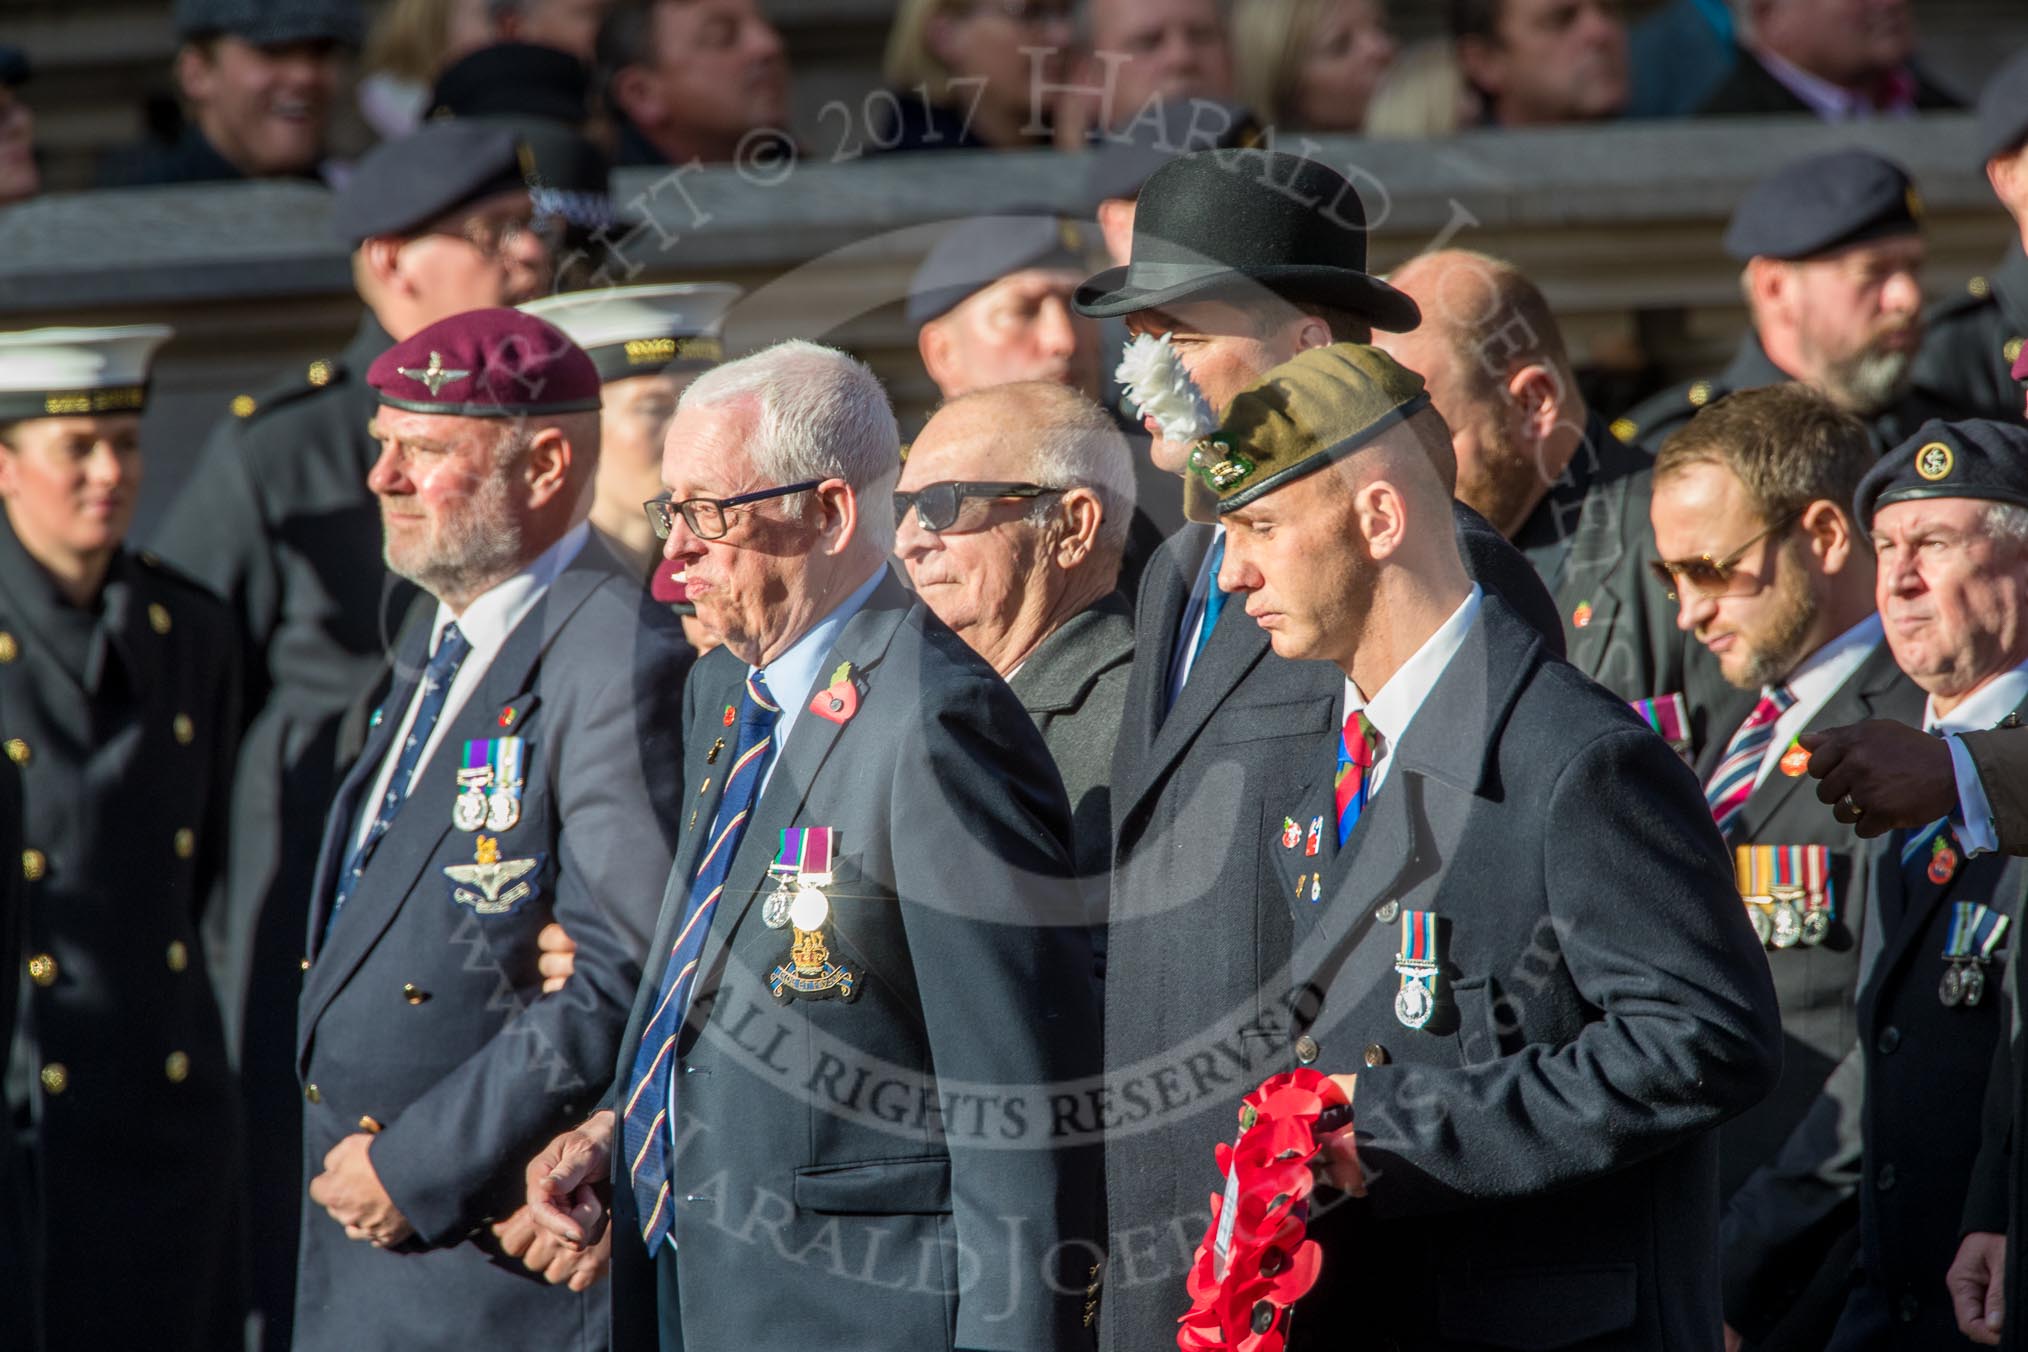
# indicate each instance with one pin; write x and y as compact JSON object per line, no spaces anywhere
{"x":668,"y":1308}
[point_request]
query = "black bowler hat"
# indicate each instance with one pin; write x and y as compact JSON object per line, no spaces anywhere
{"x":515,"y":79}
{"x":1824,"y":202}
{"x":2003,"y":109}
{"x":1225,"y":221}
{"x":1977,"y":458}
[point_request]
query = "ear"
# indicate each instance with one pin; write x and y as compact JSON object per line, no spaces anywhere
{"x":381,"y":257}
{"x":194,"y":73}
{"x":1116,"y":225}
{"x":1311,"y":332}
{"x":2008,"y":175}
{"x":1767,"y":283}
{"x":550,"y":456}
{"x":1536,"y":398}
{"x":837,"y":516}
{"x":1382,"y":515}
{"x":1829,"y":533}
{"x":1083,"y":513}
{"x":638,"y":94}
{"x":1482,"y":64}
{"x":10,"y":482}
{"x":939,"y":356}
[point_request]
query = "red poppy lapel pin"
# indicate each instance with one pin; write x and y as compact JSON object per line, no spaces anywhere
{"x":839,"y":700}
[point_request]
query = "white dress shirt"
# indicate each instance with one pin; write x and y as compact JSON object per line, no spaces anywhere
{"x":1394,"y":706}
{"x":795,"y":677}
{"x":1985,"y":708}
{"x":485,"y":624}
{"x":1822,"y":674}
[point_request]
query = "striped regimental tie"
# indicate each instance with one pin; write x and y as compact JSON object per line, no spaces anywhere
{"x":644,"y":1131}
{"x":1732,"y":784}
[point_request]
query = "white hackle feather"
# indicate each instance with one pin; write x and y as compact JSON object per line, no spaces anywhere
{"x":1161,"y":389}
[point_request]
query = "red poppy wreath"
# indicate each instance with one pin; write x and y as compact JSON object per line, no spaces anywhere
{"x":1255,"y":1263}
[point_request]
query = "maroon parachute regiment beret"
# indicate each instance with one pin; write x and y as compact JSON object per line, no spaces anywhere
{"x":487,"y":364}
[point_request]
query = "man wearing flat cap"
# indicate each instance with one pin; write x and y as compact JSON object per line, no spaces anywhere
{"x":521,"y":771}
{"x":1244,"y":259}
{"x":1976,"y":338}
{"x":278,"y":519}
{"x":1896,"y":1128}
{"x":119,"y":684}
{"x":257,"y":79}
{"x":1534,"y":1058}
{"x":1832,"y":252}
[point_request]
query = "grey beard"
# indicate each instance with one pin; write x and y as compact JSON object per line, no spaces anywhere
{"x":479,"y":549}
{"x":1868,"y":383}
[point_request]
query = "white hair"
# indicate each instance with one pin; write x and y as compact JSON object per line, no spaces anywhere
{"x":1076,"y":444}
{"x":821,"y":414}
{"x":2006,"y":522}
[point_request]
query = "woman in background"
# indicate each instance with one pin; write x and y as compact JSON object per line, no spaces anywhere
{"x":958,"y":78}
{"x":1310,"y":65}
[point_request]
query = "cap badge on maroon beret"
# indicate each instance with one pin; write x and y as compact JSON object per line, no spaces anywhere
{"x":436,"y":375}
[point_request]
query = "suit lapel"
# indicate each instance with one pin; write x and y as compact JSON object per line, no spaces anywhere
{"x":1852,"y":702}
{"x":396,"y":870}
{"x":1165,"y":595}
{"x":863,"y":643}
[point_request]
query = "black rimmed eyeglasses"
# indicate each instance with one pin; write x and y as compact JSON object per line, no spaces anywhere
{"x":958,"y":505}
{"x":1709,"y":576}
{"x":707,"y":517}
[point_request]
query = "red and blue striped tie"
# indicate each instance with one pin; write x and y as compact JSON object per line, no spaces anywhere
{"x":645,"y":1116}
{"x":1355,"y":764}
{"x":1732,"y":783}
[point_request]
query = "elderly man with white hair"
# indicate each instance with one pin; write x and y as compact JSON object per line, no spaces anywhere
{"x":1011,"y":516}
{"x":871,"y":984}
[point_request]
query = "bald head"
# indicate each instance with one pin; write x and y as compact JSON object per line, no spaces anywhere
{"x":1039,"y":432}
{"x":1495,"y":364}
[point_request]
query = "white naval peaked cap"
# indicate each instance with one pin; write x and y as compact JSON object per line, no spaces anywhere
{"x":67,"y":372}
{"x":640,"y":330}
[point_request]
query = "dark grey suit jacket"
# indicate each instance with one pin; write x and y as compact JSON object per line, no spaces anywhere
{"x":1197,"y":939}
{"x":846,"y":1166}
{"x":1539,"y":1156}
{"x":1074,"y":686}
{"x":428,"y":1016}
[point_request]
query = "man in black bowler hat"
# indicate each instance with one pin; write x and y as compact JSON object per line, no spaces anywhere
{"x":1975,"y":338}
{"x":278,"y":520}
{"x":1897,"y":1126}
{"x":1245,"y":258}
{"x":1832,"y":252}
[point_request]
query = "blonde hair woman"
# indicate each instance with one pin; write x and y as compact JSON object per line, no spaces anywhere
{"x":1424,"y":94}
{"x":958,"y":77}
{"x":1310,"y":65}
{"x":409,"y":46}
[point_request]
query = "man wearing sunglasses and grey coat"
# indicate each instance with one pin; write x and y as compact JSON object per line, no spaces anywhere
{"x":1010,"y":517}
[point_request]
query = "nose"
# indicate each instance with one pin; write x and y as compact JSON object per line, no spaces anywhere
{"x":104,"y":467}
{"x":1237,"y":572}
{"x":683,"y":545}
{"x":1692,"y":608}
{"x":1898,"y":575}
{"x":387,"y":477}
{"x":1903,"y":292}
{"x":1056,"y":328}
{"x":911,"y":541}
{"x":763,"y":42}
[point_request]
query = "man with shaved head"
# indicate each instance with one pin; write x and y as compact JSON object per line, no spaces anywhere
{"x":1544,"y":468}
{"x":1011,"y":513}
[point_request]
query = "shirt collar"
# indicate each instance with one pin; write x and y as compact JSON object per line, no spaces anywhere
{"x":1820,"y":674}
{"x":1833,"y":102}
{"x":490,"y":618}
{"x":1394,"y":705}
{"x":1985,"y":708}
{"x":792,"y":677}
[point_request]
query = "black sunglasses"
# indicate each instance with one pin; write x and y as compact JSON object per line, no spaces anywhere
{"x":1707,"y":575}
{"x":938,"y":506}
{"x":706,"y":517}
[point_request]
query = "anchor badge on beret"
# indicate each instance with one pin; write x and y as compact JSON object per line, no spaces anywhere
{"x":436,"y":375}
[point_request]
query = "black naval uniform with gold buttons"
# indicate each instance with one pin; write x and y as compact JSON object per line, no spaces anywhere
{"x":122,"y":723}
{"x":1650,"y":422}
{"x":278,"y":520}
{"x":20,"y":1292}
{"x":1974,"y":338}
